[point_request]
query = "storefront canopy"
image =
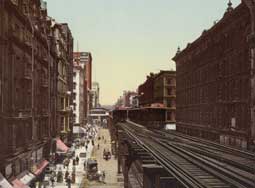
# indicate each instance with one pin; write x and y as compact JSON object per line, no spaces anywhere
{"x":61,"y":146}
{"x":40,"y":167}
{"x":26,"y":177}
{"x":18,"y":184}
{"x":4,"y":183}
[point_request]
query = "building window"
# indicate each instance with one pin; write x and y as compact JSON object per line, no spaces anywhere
{"x":62,"y":123}
{"x":74,"y":85}
{"x":62,"y":103}
{"x":169,"y":91}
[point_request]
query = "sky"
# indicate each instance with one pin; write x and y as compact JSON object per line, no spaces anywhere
{"x":129,"y":39}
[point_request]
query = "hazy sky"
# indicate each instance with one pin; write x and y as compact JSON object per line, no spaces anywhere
{"x":129,"y":39}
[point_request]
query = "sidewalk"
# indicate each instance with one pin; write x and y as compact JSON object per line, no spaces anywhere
{"x":112,"y":178}
{"x":80,"y":173}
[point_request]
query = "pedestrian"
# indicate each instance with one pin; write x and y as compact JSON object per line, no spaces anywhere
{"x":68,"y":181}
{"x":52,"y":180}
{"x":77,"y":160}
{"x":86,"y":147}
{"x":67,"y":163}
{"x":85,"y":164}
{"x":97,"y":146}
{"x":66,"y":175}
{"x":103,"y":176}
{"x":74,"y":162}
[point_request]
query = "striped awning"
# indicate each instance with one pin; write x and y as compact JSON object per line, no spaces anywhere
{"x":61,"y":146}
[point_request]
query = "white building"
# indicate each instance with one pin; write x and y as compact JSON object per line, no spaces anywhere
{"x":78,"y":91}
{"x":95,"y":95}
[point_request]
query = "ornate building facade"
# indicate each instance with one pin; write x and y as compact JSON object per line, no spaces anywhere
{"x":29,"y":60}
{"x":214,"y":82}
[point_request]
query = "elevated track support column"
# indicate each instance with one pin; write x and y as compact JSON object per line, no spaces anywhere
{"x":154,"y":174}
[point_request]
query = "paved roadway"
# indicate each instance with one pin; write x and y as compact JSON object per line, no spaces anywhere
{"x":112,"y":178}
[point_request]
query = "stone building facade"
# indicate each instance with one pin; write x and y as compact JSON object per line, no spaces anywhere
{"x":214,"y":83}
{"x":85,"y":59}
{"x":28,"y":87}
{"x":64,"y":45}
{"x":78,"y":91}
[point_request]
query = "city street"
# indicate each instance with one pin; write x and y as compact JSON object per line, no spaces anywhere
{"x":80,"y":174}
{"x":112,"y":178}
{"x":127,"y":94}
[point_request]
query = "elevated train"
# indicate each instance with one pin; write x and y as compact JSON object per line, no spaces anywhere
{"x":151,"y":117}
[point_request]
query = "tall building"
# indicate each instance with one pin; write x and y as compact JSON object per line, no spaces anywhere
{"x":78,"y":91}
{"x":29,"y":60}
{"x":64,"y":92}
{"x":85,"y":58}
{"x":95,"y":94}
{"x":69,"y":55}
{"x":215,"y":76}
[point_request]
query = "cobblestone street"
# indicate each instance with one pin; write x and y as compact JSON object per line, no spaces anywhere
{"x":112,"y":178}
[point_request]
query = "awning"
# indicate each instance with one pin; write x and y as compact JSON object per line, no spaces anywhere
{"x":26,"y":177}
{"x":78,"y":129}
{"x":18,"y":184}
{"x":61,"y":146}
{"x":4,"y":183}
{"x":40,"y":167}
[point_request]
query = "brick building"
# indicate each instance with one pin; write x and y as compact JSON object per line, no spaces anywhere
{"x":214,"y":81}
{"x":160,"y":90}
{"x":28,"y":88}
{"x":25,"y":92}
{"x":64,"y":45}
{"x":146,"y":91}
{"x":164,"y":92}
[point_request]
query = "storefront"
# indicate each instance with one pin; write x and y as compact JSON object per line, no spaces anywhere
{"x":62,"y":150}
{"x":4,"y":183}
{"x":38,"y":172}
{"x":18,"y":184}
{"x":26,"y":177}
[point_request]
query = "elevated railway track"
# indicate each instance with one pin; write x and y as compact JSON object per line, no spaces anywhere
{"x":195,"y":162}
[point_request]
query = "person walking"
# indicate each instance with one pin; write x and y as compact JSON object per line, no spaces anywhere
{"x":103,"y":176}
{"x":77,"y":160}
{"x":66,"y":175}
{"x":68,"y":182}
{"x":52,"y":181}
